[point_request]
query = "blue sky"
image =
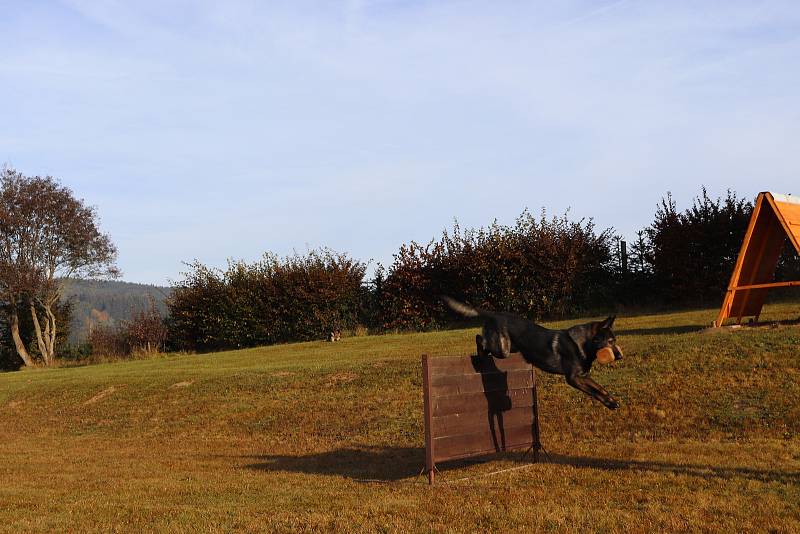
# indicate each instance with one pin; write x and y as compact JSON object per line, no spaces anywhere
{"x":214,"y":130}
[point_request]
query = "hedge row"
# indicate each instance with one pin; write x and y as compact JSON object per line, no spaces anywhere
{"x":541,"y":267}
{"x":273,"y":300}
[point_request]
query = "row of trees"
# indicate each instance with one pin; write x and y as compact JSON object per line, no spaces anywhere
{"x":686,"y":257}
{"x":540,"y":266}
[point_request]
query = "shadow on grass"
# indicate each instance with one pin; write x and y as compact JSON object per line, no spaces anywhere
{"x":701,"y":471}
{"x":655,"y":331}
{"x":389,"y":463}
{"x":651,"y":331}
{"x":396,"y":463}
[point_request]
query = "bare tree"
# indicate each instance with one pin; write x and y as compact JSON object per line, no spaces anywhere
{"x":47,"y":236}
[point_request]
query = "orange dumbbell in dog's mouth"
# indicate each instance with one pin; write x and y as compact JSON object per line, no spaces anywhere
{"x":606,"y":355}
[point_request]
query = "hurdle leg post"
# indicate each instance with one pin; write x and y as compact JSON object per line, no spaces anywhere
{"x":430,"y":465}
{"x":537,"y":444}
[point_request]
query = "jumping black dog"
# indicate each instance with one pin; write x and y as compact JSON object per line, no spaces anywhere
{"x":568,"y":352}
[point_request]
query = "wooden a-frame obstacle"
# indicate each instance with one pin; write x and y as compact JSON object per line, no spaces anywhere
{"x":775,"y":217}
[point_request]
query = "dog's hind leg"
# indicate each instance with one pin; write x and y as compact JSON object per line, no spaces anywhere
{"x":487,"y":346}
{"x":479,"y":342}
{"x":496,"y":344}
{"x":505,"y":346}
{"x":590,"y":387}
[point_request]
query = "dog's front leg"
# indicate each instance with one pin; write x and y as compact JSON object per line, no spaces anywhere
{"x":600,"y":393}
{"x":590,"y":387}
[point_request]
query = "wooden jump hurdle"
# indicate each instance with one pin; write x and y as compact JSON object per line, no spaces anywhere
{"x":477,"y":406}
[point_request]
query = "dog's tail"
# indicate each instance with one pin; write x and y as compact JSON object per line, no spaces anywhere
{"x":460,"y":308}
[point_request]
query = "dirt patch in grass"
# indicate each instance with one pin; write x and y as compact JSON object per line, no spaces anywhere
{"x":102,"y":395}
{"x":184,"y":384}
{"x":340,"y":378}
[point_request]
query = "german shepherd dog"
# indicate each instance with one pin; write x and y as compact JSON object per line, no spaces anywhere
{"x":568,"y":352}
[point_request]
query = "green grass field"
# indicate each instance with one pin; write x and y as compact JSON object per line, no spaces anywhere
{"x":280,"y":439}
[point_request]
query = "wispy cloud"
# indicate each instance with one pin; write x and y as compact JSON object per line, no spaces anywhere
{"x":215,"y":129}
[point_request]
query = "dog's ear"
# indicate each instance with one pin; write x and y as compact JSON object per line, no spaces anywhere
{"x":599,"y":326}
{"x":608,"y":323}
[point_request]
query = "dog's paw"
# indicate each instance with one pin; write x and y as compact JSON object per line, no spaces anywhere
{"x":612,"y":404}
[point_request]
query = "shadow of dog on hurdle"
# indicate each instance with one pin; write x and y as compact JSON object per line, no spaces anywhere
{"x":570,"y":352}
{"x":498,"y":401}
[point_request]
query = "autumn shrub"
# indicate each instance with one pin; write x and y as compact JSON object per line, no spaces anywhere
{"x":273,"y":300}
{"x":539,"y":267}
{"x":108,"y":341}
{"x":145,"y":332}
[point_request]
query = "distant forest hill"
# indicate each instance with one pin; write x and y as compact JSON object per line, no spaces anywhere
{"x":108,"y":303}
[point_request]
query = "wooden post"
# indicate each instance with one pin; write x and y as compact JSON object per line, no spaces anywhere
{"x":537,"y":444}
{"x":724,"y":312}
{"x":430,"y":466}
{"x":749,"y":281}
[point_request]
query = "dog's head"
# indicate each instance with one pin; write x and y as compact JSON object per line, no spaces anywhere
{"x":604,"y":342}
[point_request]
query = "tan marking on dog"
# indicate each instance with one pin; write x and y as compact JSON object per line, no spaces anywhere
{"x":580,"y":347}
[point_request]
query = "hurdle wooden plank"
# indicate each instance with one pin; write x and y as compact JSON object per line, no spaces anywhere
{"x":494,"y":401}
{"x":451,"y":365}
{"x":484,"y":442}
{"x":476,"y":383}
{"x":460,"y":424}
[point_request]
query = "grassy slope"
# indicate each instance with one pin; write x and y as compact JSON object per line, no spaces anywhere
{"x":708,"y":438}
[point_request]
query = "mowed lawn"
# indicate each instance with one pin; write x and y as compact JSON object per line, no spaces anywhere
{"x":282,"y":438}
